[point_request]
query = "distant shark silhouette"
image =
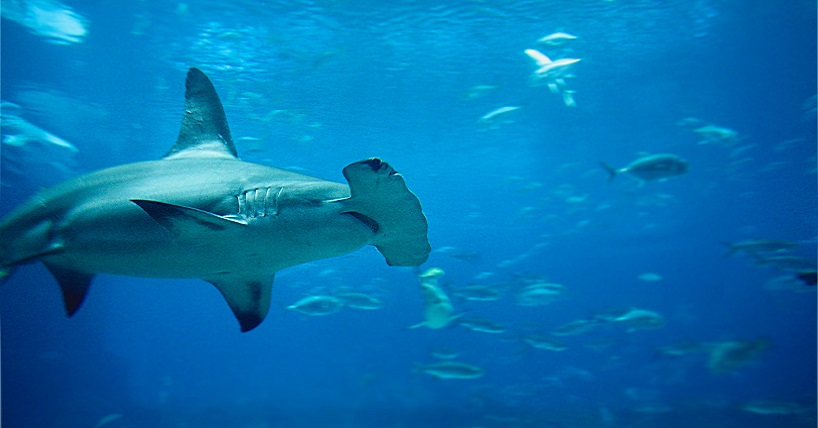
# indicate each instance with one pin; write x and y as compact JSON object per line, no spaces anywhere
{"x":200,"y":212}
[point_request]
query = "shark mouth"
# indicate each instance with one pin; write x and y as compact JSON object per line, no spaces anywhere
{"x":367,"y":221}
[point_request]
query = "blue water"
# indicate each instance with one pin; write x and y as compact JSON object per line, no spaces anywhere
{"x":315,"y":85}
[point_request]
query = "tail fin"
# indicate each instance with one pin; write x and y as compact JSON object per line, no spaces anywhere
{"x":611,"y":171}
{"x":379,"y":192}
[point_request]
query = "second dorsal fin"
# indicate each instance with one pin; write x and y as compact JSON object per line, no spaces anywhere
{"x":204,"y":130}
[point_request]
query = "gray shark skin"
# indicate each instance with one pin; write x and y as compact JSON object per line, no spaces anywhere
{"x":200,"y":212}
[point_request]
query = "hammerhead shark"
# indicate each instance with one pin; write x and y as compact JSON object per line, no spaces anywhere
{"x":200,"y":212}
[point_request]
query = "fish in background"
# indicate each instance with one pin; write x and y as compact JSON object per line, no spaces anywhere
{"x":480,"y":293}
{"x":438,"y":311}
{"x":18,"y":132}
{"x":30,"y":154}
{"x":543,"y":342}
{"x":318,"y":305}
{"x":540,"y":293}
{"x":722,"y":357}
{"x":771,"y":407}
{"x":787,"y":263}
{"x":54,"y":21}
{"x":556,"y":39}
{"x":708,"y":132}
{"x":497,"y":117}
{"x":759,"y":247}
{"x":482,"y":325}
{"x":553,"y":73}
{"x":640,"y":319}
{"x":679,"y":350}
{"x":730,"y":355}
{"x":776,"y":254}
{"x":448,"y":370}
{"x":357,"y":300}
{"x":576,"y":327}
{"x":459,"y":253}
{"x":651,"y":167}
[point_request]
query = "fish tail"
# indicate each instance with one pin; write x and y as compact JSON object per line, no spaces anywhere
{"x":611,"y":171}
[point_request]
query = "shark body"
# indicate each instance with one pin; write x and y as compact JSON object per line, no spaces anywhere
{"x":200,"y":212}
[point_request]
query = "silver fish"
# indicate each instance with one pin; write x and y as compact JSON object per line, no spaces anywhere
{"x":653,"y":167}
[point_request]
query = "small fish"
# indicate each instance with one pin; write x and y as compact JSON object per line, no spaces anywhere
{"x":445,"y":354}
{"x":541,"y":293}
{"x":716,"y":134}
{"x":318,"y":305}
{"x":18,"y":132}
{"x":497,"y":117}
{"x":609,"y":314}
{"x":497,"y":112}
{"x":458,"y":253}
{"x":477,"y":293}
{"x":432,"y":273}
{"x":640,"y":319}
{"x":690,"y":123}
{"x":653,"y":167}
{"x":728,"y":356}
{"x":573,"y":328}
{"x":768,"y":407}
{"x":107,"y":419}
{"x":482,"y":325}
{"x":52,"y":20}
{"x":556,"y":39}
{"x":680,"y":350}
{"x":649,"y":277}
{"x":789,"y":263}
{"x":544,"y":343}
{"x":759,"y":246}
{"x":451,"y":370}
{"x":360,"y":301}
{"x":478,"y":91}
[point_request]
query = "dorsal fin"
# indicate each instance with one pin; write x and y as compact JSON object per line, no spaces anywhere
{"x":204,"y":130}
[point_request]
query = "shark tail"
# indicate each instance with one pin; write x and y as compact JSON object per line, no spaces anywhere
{"x":380,"y":199}
{"x":611,"y":171}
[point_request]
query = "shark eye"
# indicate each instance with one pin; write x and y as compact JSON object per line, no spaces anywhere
{"x":375,"y":164}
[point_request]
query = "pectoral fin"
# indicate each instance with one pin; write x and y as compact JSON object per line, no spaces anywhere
{"x":187,"y":223}
{"x":248,"y":298}
{"x":74,"y":285}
